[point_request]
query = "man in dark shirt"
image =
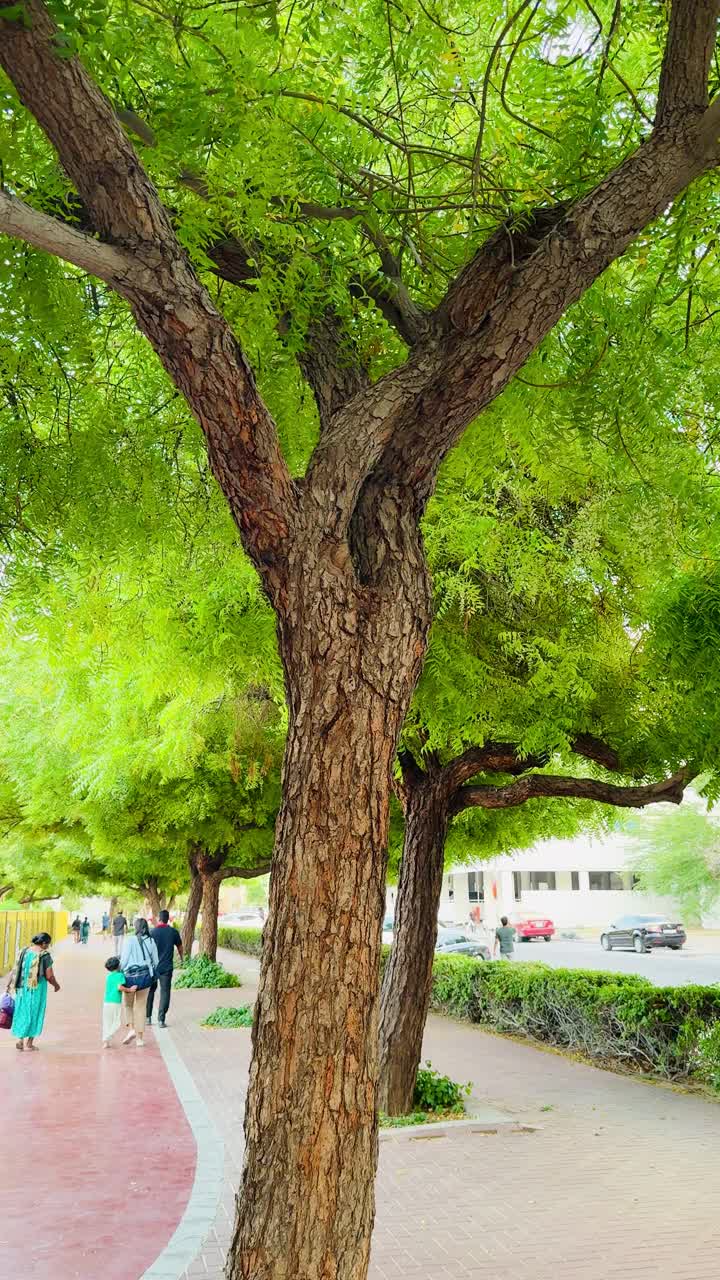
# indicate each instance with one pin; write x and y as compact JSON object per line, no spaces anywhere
{"x":119,"y":928}
{"x":166,"y":938}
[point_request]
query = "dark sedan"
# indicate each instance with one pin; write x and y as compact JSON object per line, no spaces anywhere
{"x":643,"y":933}
{"x":455,"y":943}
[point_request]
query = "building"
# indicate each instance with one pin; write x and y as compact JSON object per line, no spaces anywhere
{"x":583,"y":883}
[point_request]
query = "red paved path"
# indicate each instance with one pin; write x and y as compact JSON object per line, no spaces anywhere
{"x":101,"y":1158}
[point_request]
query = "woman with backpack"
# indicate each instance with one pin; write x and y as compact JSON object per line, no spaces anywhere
{"x":138,"y":962}
{"x":33,"y":973}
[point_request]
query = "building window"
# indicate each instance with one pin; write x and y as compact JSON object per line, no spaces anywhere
{"x":451,"y":889}
{"x":538,"y":879}
{"x":476,"y":886}
{"x":574,"y":879}
{"x":606,"y":880}
{"x":517,"y":886}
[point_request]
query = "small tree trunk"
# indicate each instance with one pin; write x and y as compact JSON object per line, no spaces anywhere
{"x":306,"y":1204}
{"x":209,"y":912}
{"x":407,"y":980}
{"x":193,"y":907}
{"x":113,"y":907}
{"x":152,"y":897}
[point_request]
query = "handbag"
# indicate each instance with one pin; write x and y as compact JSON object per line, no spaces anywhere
{"x":139,"y":975}
{"x":7,"y":1010}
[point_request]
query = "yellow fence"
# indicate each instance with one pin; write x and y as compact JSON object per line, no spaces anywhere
{"x":18,"y":927}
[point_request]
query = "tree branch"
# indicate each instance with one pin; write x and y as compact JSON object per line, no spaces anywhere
{"x":686,"y":65}
{"x":245,"y":873}
{"x":171,"y":306}
{"x":106,"y":261}
{"x":518,"y":285}
{"x":535,"y":785}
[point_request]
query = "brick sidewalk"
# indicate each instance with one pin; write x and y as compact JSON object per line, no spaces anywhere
{"x":96,"y":1153}
{"x":620,"y":1178}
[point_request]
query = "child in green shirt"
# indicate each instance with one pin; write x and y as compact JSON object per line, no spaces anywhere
{"x":112,"y":1006}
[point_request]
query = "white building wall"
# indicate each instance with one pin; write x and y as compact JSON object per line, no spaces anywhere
{"x":568,"y":908}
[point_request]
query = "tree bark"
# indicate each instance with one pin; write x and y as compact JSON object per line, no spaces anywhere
{"x":210,"y":883}
{"x":407,"y":980}
{"x":193,"y":906}
{"x":311,"y":1125}
{"x":153,"y":897}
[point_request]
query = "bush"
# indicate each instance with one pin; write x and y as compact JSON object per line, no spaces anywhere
{"x":201,"y":971}
{"x":249,"y":941}
{"x":434,"y":1092}
{"x":224,"y":1017}
{"x":621,"y":1018}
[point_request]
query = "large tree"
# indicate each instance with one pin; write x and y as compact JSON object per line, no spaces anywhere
{"x":472,"y":227}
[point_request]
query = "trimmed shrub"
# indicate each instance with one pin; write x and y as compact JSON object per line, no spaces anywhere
{"x":242,"y":1016}
{"x":249,"y":941}
{"x":622,"y":1018}
{"x":201,"y":971}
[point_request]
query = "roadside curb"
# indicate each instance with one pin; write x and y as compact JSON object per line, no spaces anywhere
{"x":201,"y":1209}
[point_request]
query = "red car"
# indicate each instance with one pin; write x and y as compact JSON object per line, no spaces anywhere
{"x":534,"y":927}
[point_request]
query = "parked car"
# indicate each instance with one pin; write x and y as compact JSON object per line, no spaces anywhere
{"x":642,"y":933}
{"x":527,"y":928}
{"x":245,"y":918}
{"x":454,"y":942}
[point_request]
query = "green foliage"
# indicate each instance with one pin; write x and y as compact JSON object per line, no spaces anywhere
{"x":678,"y":854}
{"x":201,"y":971}
{"x":438,"y":1093}
{"x":242,"y":1016}
{"x":249,"y":941}
{"x":615,"y":1018}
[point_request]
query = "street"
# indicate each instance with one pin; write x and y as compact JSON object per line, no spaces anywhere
{"x":663,"y":967}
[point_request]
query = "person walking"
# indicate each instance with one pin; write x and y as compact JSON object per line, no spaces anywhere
{"x":76,"y":926}
{"x":33,"y":973}
{"x":105,"y":924}
{"x":166,"y":939}
{"x":85,"y":931}
{"x":505,"y":939}
{"x":119,"y":929}
{"x":112,"y":1004}
{"x":139,"y":963}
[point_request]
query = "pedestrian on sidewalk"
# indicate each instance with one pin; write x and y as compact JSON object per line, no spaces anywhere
{"x":33,"y":972}
{"x":166,"y":939}
{"x":505,"y":939}
{"x":105,"y":924}
{"x":138,"y":962}
{"x":85,"y":931}
{"x":119,"y":928}
{"x":76,"y":926}
{"x":112,"y":1005}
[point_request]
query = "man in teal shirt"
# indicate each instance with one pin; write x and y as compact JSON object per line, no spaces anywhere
{"x":505,"y":938}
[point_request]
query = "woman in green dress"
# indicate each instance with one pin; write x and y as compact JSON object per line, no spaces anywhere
{"x":33,"y":972}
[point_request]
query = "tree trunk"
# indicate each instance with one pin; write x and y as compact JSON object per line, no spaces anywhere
{"x":306,"y":1204}
{"x":193,"y":907}
{"x":407,"y":980}
{"x":210,"y":889}
{"x":152,"y":897}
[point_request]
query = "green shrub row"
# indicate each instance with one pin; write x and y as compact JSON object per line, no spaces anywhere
{"x":673,"y":1032}
{"x":616,"y":1018}
{"x":239,"y":1016}
{"x":249,"y":941}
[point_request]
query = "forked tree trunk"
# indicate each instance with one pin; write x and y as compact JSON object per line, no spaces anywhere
{"x":306,"y":1203}
{"x":210,"y":904}
{"x":407,"y":980}
{"x":193,"y":908}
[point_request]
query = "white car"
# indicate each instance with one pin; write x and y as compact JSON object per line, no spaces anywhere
{"x":250,"y":918}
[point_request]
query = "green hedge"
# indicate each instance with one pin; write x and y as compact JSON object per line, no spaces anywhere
{"x":620,"y":1018}
{"x":249,"y":941}
{"x":614,"y":1018}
